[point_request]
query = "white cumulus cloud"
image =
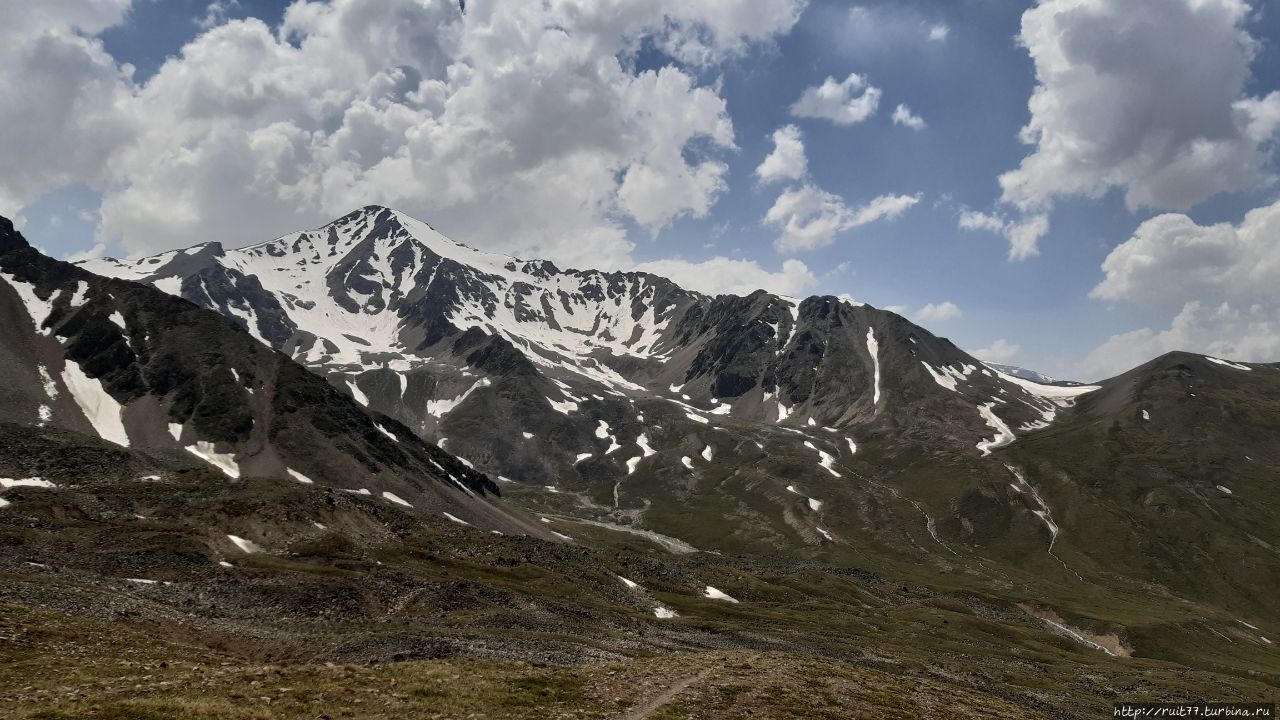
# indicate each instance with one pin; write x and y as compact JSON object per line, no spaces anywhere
{"x":787,"y":161}
{"x":938,"y":312}
{"x":1220,"y":279}
{"x":809,"y":217}
{"x":1000,"y":351}
{"x":846,"y":102}
{"x":902,"y":115}
{"x":1143,"y":96}
{"x":523,"y":127}
{"x":721,"y":275}
{"x":1023,"y":233}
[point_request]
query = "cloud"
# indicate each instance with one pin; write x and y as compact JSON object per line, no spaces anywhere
{"x":216,"y":13}
{"x":1171,"y":259}
{"x":787,"y":161}
{"x":60,"y":97}
{"x":1023,"y":234}
{"x":721,"y":275}
{"x":1220,"y":279}
{"x":1249,"y":334}
{"x":902,"y":115}
{"x":522,"y":127}
{"x":1001,"y":351}
{"x":938,"y":312}
{"x":882,"y":27}
{"x":1121,"y":103}
{"x":810,"y":217}
{"x":847,"y":102}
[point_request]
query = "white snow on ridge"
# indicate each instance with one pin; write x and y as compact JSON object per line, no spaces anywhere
{"x":944,"y":379}
{"x":1051,"y":392}
{"x":1228,"y":363}
{"x":102,"y":410}
{"x":247,"y":546}
{"x":78,"y":297}
{"x":1004,"y":435}
{"x":455,"y":518}
{"x":664,"y":613}
{"x":631,"y":584}
{"x":1044,"y":513}
{"x":387,"y":495}
{"x":357,"y":393}
{"x":707,"y":453}
{"x":873,"y":347}
{"x":223,"y":461}
{"x":440,"y":408}
{"x":824,"y":458}
{"x":715,"y":594}
{"x":687,"y":462}
{"x":38,"y":309}
{"x":25,"y":482}
{"x":642,"y":442}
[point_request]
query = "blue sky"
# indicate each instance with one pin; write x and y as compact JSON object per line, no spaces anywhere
{"x":184,"y":98}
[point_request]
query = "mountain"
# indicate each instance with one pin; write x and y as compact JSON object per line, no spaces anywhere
{"x":756,"y":423}
{"x":1025,"y":374}
{"x":771,"y":493}
{"x":424,"y":329}
{"x":144,"y":370}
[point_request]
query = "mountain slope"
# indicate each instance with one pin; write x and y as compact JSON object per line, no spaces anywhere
{"x":418,"y":326}
{"x":142,"y":369}
{"x":759,"y":424}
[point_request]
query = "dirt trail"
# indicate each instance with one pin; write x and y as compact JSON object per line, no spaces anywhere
{"x":644,"y":711}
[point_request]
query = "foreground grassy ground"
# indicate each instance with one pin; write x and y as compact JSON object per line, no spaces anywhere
{"x":57,"y":667}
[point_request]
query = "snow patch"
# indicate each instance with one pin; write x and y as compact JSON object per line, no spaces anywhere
{"x":1004,"y":435}
{"x":873,"y":347}
{"x":1228,"y":363}
{"x":223,"y":461}
{"x":247,"y":546}
{"x":455,"y":518}
{"x":102,"y":410}
{"x":440,"y":408}
{"x":26,"y":482}
{"x":715,"y":594}
{"x":356,"y":393}
{"x":299,"y":476}
{"x":395,"y":498}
